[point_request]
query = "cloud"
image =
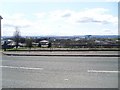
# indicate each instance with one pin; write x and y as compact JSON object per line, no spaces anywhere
{"x":107,"y":30}
{"x":62,"y":22}
{"x":57,"y":1}
{"x":97,"y":15}
{"x":17,"y":19}
{"x":112,"y":0}
{"x":10,"y":22}
{"x":40,"y":15}
{"x":60,"y":14}
{"x":66,"y":15}
{"x":92,"y":20}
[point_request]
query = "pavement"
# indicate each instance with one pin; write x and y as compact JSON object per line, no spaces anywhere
{"x":59,"y":72}
{"x":63,"y":53}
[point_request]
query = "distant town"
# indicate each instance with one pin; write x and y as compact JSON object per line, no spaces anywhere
{"x":86,"y":41}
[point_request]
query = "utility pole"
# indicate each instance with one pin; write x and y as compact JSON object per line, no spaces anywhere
{"x":0,"y":30}
{"x":0,"y":56}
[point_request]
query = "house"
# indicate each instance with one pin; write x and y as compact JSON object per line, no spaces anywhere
{"x":8,"y":43}
{"x":44,"y":43}
{"x":11,"y":44}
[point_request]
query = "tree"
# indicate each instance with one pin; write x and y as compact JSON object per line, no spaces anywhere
{"x":17,"y":37}
{"x":49,"y":45}
{"x":39,"y":45}
{"x":5,"y":46}
{"x":29,"y":43}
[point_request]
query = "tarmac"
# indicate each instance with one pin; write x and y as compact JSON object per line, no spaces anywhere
{"x":59,"y":72}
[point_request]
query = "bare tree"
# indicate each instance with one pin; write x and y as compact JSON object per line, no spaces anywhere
{"x":17,"y":37}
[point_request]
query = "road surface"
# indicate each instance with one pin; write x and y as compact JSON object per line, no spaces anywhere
{"x":59,"y":72}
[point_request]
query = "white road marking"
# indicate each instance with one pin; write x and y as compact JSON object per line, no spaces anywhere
{"x":66,"y":79}
{"x":102,"y":71}
{"x":27,"y":68}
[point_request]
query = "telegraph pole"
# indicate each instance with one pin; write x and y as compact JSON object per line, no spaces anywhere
{"x":0,"y":56}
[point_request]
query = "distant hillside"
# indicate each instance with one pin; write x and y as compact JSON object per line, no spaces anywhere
{"x":106,"y":36}
{"x":75,"y":36}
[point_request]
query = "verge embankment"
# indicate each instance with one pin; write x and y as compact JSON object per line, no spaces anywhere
{"x":63,"y":53}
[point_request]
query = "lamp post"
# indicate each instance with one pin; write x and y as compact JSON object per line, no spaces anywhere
{"x":0,"y":30}
{"x":0,"y":56}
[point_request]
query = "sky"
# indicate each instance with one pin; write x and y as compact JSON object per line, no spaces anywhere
{"x":65,"y":18}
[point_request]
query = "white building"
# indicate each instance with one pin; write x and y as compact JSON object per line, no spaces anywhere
{"x":44,"y":43}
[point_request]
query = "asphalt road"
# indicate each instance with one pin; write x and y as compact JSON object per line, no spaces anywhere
{"x":59,"y":72}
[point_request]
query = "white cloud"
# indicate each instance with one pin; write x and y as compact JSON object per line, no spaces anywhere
{"x":10,"y":22}
{"x":40,"y":15}
{"x":112,"y":0}
{"x":59,"y":14}
{"x":97,"y":15}
{"x":17,"y":19}
{"x":17,"y":16}
{"x":58,"y":1}
{"x":62,"y":22}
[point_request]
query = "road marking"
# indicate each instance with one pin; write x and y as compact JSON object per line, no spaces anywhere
{"x":66,"y":79}
{"x":102,"y":71}
{"x":27,"y":68}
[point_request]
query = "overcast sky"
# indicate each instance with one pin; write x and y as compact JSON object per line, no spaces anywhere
{"x":59,"y":18}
